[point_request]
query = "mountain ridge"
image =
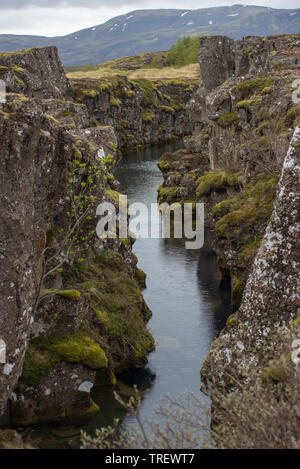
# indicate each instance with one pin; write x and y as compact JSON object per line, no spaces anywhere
{"x":141,"y":31}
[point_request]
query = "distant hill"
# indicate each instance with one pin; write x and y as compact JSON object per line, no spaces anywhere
{"x":155,"y":30}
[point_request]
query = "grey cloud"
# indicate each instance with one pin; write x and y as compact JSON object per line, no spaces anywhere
{"x":21,"y":4}
{"x":98,"y":4}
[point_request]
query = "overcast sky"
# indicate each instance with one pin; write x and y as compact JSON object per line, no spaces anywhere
{"x":60,"y":17}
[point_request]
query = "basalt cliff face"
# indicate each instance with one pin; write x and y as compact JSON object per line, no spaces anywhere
{"x":243,"y":163}
{"x":67,"y":296}
{"x":71,"y":304}
{"x":143,"y":112}
{"x":255,"y":360}
{"x":244,"y":119}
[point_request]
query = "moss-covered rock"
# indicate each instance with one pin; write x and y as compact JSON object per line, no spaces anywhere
{"x":255,"y":84}
{"x":140,"y":277}
{"x":148,"y":116}
{"x":113,"y":195}
{"x":222,"y":208}
{"x":45,"y":352}
{"x":253,"y":207}
{"x":218,"y":181}
{"x":231,"y":321}
{"x":119,"y":308}
{"x":168,"y":194}
{"x":279,"y":370}
{"x":115,"y":102}
{"x":237,"y":289}
{"x":228,"y":119}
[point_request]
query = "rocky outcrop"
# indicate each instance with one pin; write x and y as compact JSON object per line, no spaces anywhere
{"x":142,"y":112}
{"x":246,"y":145}
{"x":67,"y":297}
{"x":36,"y":73}
{"x":258,"y":344}
{"x":222,"y":58}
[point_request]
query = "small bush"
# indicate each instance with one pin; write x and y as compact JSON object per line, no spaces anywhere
{"x":184,"y":52}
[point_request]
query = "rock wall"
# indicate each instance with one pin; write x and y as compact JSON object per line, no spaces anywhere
{"x":258,"y":348}
{"x":143,"y":112}
{"x":71,"y":304}
{"x":244,"y":118}
{"x":246,"y":153}
{"x":35,"y":72}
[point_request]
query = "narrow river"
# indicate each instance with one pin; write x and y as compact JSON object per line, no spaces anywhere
{"x":189,"y":308}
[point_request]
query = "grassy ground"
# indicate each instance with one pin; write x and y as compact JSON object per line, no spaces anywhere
{"x":189,"y":71}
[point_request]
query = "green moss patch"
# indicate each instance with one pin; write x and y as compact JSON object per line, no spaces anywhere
{"x":253,"y":208}
{"x":140,"y":277}
{"x":231,"y":321}
{"x":37,"y":363}
{"x":90,"y":93}
{"x":71,"y":294}
{"x":149,"y":88}
{"x":218,"y":181}
{"x":148,"y":116}
{"x":237,"y":291}
{"x":256,"y":84}
{"x":222,"y":208}
{"x":248,"y":252}
{"x":3,"y":70}
{"x":291,"y":116}
{"x":167,"y":109}
{"x":18,"y":70}
{"x":242,"y":222}
{"x":45,"y":352}
{"x":168,"y":194}
{"x":228,"y":119}
{"x":115,"y":102}
{"x":113,"y":195}
{"x":79,"y":347}
{"x":246,"y":103}
{"x":118,"y":306}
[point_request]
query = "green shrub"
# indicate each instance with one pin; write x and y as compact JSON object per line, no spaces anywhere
{"x":184,"y":52}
